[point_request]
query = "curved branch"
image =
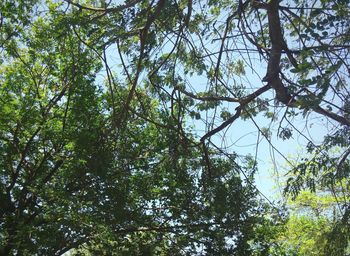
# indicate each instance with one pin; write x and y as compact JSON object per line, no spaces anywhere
{"x":243,"y":103}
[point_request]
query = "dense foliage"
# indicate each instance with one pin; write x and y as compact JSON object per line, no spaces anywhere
{"x":116,"y":118}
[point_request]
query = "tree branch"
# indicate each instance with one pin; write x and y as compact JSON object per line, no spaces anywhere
{"x":105,"y":10}
{"x":243,"y":102}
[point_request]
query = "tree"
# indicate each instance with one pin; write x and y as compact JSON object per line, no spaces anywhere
{"x":307,"y":230}
{"x":75,"y":174}
{"x":320,"y":201}
{"x":311,"y":228}
{"x":137,"y":155}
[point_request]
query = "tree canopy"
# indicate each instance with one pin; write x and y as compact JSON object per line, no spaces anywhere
{"x":119,"y":122}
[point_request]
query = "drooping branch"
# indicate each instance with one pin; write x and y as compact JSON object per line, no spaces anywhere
{"x":224,"y":124}
{"x":243,"y":103}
